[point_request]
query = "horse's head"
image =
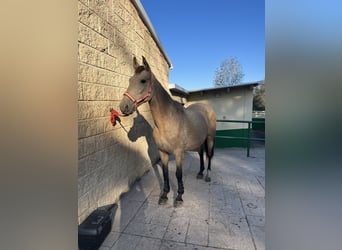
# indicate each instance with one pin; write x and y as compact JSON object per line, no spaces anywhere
{"x":139,"y":89}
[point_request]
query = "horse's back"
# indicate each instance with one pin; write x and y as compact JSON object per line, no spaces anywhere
{"x":205,"y":111}
{"x":201,"y":121}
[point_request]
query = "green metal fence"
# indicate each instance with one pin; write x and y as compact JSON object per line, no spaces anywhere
{"x":258,"y":123}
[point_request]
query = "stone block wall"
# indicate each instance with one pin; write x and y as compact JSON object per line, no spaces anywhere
{"x":111,"y":158}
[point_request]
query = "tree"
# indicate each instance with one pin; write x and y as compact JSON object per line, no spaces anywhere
{"x":259,"y":98}
{"x":230,"y":73}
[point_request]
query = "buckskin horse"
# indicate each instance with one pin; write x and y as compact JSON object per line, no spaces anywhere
{"x":177,"y":129}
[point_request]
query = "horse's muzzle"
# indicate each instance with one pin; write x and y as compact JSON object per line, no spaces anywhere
{"x":126,"y":106}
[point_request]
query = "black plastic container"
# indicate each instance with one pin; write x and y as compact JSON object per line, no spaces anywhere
{"x":95,"y":228}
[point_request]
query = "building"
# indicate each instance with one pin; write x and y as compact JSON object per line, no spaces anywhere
{"x":109,"y":158}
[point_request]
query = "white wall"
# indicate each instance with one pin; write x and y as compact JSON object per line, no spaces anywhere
{"x":236,"y":104}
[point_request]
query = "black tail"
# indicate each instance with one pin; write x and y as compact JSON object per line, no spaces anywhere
{"x":211,"y":153}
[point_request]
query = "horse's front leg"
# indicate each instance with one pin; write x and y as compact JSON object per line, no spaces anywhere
{"x":165,"y":161}
{"x":179,"y":174}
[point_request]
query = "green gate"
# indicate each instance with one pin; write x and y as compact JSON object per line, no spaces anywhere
{"x":239,"y":137}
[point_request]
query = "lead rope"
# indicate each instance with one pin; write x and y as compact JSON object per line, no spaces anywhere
{"x":115,"y":116}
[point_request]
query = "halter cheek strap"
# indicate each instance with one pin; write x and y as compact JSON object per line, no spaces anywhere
{"x":145,"y":98}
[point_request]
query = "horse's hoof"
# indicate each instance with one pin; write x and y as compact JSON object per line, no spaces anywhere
{"x":199,"y":176}
{"x":207,"y":179}
{"x":162,"y":200}
{"x":178,"y":201}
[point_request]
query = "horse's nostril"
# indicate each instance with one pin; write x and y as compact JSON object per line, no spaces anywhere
{"x":126,"y":108}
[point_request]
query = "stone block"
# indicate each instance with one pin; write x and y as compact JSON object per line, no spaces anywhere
{"x":93,"y":92}
{"x":100,"y":7}
{"x":87,"y":128}
{"x":86,"y":183}
{"x":83,"y":204}
{"x":84,"y":2}
{"x":92,"y":38}
{"x":86,"y":146}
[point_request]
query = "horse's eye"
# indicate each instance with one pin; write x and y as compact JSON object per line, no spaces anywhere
{"x":143,"y":81}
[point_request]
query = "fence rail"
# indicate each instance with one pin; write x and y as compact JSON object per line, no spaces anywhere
{"x":248,"y":138}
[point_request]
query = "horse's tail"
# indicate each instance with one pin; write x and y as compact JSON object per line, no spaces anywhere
{"x":209,"y":152}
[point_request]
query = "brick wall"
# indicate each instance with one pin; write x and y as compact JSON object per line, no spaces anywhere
{"x":110,"y":160}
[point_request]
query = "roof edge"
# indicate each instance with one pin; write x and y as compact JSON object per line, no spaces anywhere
{"x":177,"y":88}
{"x":187,"y":92}
{"x":142,"y":13}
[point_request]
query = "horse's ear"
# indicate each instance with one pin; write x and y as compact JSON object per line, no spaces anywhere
{"x":135,"y":63}
{"x":147,"y":67}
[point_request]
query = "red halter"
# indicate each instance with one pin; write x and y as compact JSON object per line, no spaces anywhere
{"x":145,"y":98}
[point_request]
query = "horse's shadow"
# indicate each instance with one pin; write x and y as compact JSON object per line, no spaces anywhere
{"x":142,"y":128}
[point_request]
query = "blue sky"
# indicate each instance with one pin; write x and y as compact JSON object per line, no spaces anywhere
{"x":199,"y":35}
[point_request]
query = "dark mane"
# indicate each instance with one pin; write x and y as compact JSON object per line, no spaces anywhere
{"x":139,"y":69}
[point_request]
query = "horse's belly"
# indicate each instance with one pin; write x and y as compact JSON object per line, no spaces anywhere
{"x":193,"y":143}
{"x":163,"y":142}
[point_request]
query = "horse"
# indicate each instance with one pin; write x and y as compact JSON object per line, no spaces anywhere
{"x":177,"y":129}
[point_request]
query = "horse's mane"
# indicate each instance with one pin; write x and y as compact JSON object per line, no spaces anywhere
{"x":139,"y":69}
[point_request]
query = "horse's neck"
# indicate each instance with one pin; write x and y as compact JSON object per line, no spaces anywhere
{"x":162,"y":106}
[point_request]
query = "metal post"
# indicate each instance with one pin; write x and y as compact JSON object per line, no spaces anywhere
{"x":248,"y":137}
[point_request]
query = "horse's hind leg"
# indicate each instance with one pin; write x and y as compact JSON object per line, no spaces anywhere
{"x":179,"y":174}
{"x":165,"y":160}
{"x":209,"y":146}
{"x":200,"y":173}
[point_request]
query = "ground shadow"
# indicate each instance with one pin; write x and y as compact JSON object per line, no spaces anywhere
{"x":142,"y":128}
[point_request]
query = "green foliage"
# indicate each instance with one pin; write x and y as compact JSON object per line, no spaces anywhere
{"x":259,"y":98}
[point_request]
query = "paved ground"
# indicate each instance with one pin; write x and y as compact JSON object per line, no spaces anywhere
{"x":227,"y":213}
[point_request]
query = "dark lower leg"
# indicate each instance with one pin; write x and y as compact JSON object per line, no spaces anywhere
{"x":165,"y":158}
{"x":210,"y":153}
{"x":179,"y":176}
{"x":166,"y":188}
{"x":200,"y":173}
{"x":207,"y":177}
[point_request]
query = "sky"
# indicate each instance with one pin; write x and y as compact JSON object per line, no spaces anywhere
{"x":198,"y":35}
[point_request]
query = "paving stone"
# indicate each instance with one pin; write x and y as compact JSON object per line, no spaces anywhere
{"x":124,"y":214}
{"x":254,"y":206}
{"x":197,"y":232}
{"x":177,"y":229}
{"x":126,"y":242}
{"x":138,"y":193}
{"x":145,"y":213}
{"x":171,"y":245}
{"x":148,"y":230}
{"x":148,"y":244}
{"x":256,"y":220}
{"x":213,"y":215}
{"x":227,"y":231}
{"x":261,"y":180}
{"x":104,"y":248}
{"x":259,"y":237}
{"x":112,"y":237}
